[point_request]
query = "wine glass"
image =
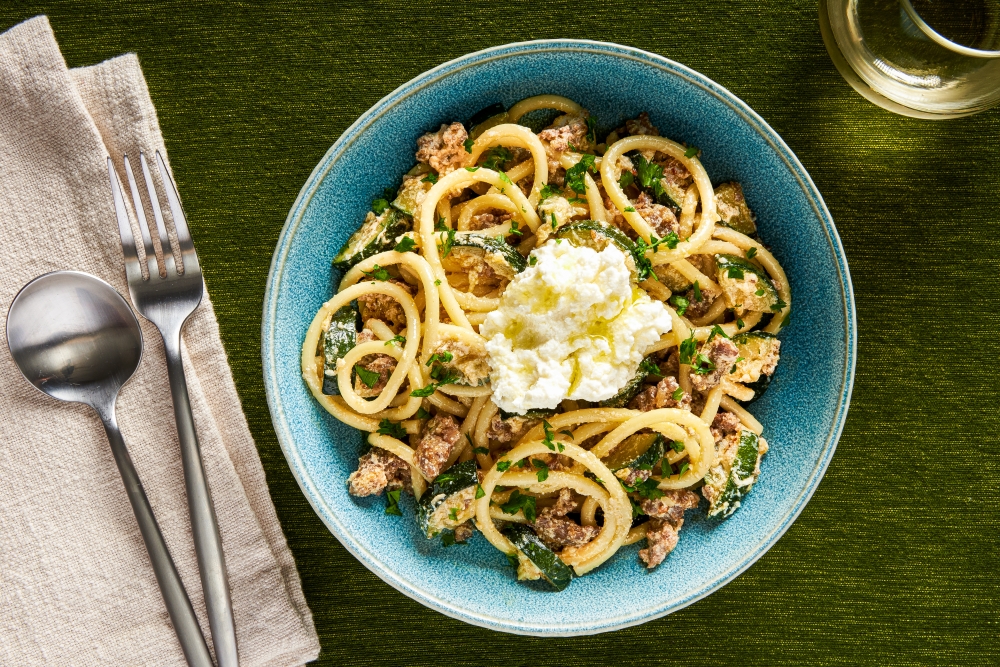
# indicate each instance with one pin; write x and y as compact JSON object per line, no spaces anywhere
{"x":922,"y":58}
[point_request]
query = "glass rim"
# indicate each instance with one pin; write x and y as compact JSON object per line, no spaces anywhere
{"x":941,"y":39}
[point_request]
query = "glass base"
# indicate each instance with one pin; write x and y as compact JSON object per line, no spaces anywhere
{"x":862,"y":87}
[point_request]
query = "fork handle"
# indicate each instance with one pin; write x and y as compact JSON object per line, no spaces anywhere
{"x":207,"y":541}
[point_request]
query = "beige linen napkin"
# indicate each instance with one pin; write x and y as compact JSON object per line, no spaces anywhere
{"x":76,"y":586}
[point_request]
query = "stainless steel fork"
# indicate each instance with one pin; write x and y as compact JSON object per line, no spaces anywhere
{"x":166,"y":299}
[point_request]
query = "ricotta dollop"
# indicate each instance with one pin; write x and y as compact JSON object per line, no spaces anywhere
{"x":570,"y":326}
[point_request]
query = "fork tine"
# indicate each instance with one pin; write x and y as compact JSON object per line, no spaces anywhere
{"x":188,"y":254}
{"x":154,"y":200}
{"x":140,"y":213}
{"x":133,"y":271}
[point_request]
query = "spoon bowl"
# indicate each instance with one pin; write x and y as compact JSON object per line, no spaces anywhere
{"x":74,"y":338}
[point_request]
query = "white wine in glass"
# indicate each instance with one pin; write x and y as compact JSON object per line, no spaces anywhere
{"x":921,"y":58}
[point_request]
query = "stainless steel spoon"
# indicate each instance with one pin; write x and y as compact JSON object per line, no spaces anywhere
{"x":75,"y":338}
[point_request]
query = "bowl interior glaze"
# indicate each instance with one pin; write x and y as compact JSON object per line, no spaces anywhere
{"x":803,"y":412}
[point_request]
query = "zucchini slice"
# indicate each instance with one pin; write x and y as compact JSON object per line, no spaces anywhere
{"x":539,"y":413}
{"x":340,"y":337}
{"x":670,"y":194}
{"x":641,"y":451}
{"x":759,"y":387}
{"x":497,"y":252}
{"x":733,"y":209}
{"x":411,"y":195}
{"x":733,"y":485}
{"x":553,"y":570}
{"x":741,"y":293}
{"x":759,"y":352}
{"x":597,"y":235}
{"x":377,"y":234}
{"x":455,"y":488}
{"x":633,"y":386}
{"x":672,"y":279}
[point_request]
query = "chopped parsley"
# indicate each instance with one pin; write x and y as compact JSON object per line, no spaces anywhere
{"x":398,"y":338}
{"x":568,"y":433}
{"x":688,"y":347}
{"x":760,"y":292}
{"x":519,"y":502}
{"x":677,"y":446}
{"x":735,"y":273}
{"x":677,"y":395}
{"x":735,"y":364}
{"x":480,"y":450}
{"x":370,"y":378}
{"x":576,"y":200}
{"x":387,"y":427}
{"x":691,"y":151}
{"x":479,"y":491}
{"x":574,"y":175}
{"x":591,"y":129}
{"x":472,"y":168}
{"x":630,"y":209}
{"x":496,"y":157}
{"x":422,"y":414}
{"x":702,"y":365}
{"x":680,"y":302}
{"x":514,"y":229}
{"x":751,"y":252}
{"x":532,"y":260}
{"x":649,"y":367}
{"x":392,"y":503}
{"x":453,"y":514}
{"x":548,"y":441}
{"x":448,"y":240}
{"x":543,"y":469}
{"x":548,"y":191}
{"x":646,"y":489}
{"x":626,"y":179}
{"x":778,"y":306}
{"x":648,"y":173}
{"x":697,"y":292}
{"x":442,"y":357}
{"x":440,"y":375}
{"x":716,"y":331}
{"x":406,"y":244}
{"x":379,"y":206}
{"x":431,"y":178}
{"x":504,"y":178}
{"x":739,"y":323}
{"x":503,"y":466}
{"x":437,"y":282}
{"x":469,"y":143}
{"x":377,"y":273}
{"x":555,"y":223}
{"x":439,"y":226}
{"x":684,"y":468}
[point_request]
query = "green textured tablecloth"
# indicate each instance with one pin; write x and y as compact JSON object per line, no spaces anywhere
{"x":895,"y":559}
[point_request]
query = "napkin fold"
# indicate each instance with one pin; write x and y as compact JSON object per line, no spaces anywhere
{"x":76,"y":585}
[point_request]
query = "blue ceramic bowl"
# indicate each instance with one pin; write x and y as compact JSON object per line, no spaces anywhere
{"x":803,"y":413}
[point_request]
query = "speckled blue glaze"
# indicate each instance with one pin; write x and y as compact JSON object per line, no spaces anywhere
{"x":803,"y":413}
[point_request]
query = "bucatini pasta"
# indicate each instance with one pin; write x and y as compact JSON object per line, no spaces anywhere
{"x":552,"y":338}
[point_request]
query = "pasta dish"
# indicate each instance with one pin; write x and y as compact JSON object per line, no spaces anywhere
{"x":550,"y":335}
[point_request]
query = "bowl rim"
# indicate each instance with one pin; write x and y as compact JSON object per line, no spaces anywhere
{"x":294,"y":218}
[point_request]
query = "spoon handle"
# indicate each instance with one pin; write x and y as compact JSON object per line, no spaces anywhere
{"x":178,"y":605}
